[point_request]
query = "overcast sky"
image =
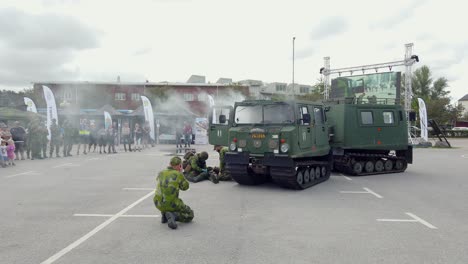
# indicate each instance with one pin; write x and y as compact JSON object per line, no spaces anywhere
{"x":169,"y":40}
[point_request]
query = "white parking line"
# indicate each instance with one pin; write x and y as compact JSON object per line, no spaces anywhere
{"x":372,"y":192}
{"x":66,"y":165}
{"x":138,"y":189}
{"x":415,"y":219}
{"x":94,"y":231}
{"x":367,"y":190}
{"x":464,"y":156}
{"x":348,"y":178}
{"x":109,"y":215}
{"x":19,"y":174}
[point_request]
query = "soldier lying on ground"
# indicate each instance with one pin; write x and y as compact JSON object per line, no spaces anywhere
{"x":196,"y":169}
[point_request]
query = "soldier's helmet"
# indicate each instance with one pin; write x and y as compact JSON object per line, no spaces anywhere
{"x":175,"y":161}
{"x":204,"y":155}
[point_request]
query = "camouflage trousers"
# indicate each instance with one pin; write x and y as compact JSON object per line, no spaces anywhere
{"x":183,"y":213}
{"x":194,"y":177}
{"x":224,"y":176}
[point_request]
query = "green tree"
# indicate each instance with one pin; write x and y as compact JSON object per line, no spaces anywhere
{"x":435,"y":95}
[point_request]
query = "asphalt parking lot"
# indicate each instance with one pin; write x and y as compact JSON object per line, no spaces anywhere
{"x":98,"y":209}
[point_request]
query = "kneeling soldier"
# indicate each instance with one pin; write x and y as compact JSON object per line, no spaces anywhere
{"x":166,"y":198}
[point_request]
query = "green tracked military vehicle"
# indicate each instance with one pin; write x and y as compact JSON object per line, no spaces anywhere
{"x":297,"y":143}
{"x":285,"y":141}
{"x":368,"y":137}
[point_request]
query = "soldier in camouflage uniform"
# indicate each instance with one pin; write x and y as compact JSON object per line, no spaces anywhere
{"x":44,"y":133}
{"x":34,"y":139}
{"x":68,"y":132}
{"x":223,"y":174}
{"x":54,"y":139}
{"x":166,"y":198}
{"x":197,"y":171}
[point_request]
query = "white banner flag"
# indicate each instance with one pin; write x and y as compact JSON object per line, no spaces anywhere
{"x":423,"y":119}
{"x":149,"y":117}
{"x":212,"y":104}
{"x":31,"y":105}
{"x":107,"y":120}
{"x":51,"y":107}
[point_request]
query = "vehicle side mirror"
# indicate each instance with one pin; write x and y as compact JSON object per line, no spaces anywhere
{"x":222,"y":119}
{"x":306,"y":118}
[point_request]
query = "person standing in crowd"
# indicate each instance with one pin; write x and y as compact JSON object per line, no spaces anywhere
{"x":55,"y":139}
{"x":18,"y":134}
{"x":223,"y":174}
{"x":138,"y":132}
{"x":127,"y":139}
{"x":166,"y":197}
{"x":67,"y":138}
{"x":111,"y":134}
{"x":102,"y":139}
{"x":197,"y":171}
{"x":146,"y":134}
{"x":93,"y":135}
{"x":179,"y":134}
{"x":83,"y":135}
{"x":187,"y":134}
{"x":11,"y":152}
{"x":3,"y":153}
{"x":44,"y":133}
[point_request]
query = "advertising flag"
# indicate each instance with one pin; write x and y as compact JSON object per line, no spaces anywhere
{"x":51,"y":107}
{"x":423,"y":119}
{"x":31,"y":105}
{"x":212,"y":104}
{"x":107,"y":120}
{"x":149,"y":117}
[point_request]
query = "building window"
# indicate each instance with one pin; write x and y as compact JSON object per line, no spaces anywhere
{"x":202,"y":97}
{"x":281,"y":87}
{"x":120,"y":96}
{"x":136,"y":97}
{"x":304,"y":89}
{"x":367,"y":118}
{"x":67,"y":94}
{"x":188,"y":97}
{"x":388,"y":118}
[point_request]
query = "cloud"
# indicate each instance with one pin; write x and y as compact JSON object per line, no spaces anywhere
{"x":329,"y":27}
{"x":401,"y":16}
{"x":48,"y":31}
{"x":304,"y":53}
{"x":39,"y":47}
{"x":142,"y":51}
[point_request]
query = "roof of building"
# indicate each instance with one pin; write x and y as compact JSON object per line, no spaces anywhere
{"x":464,"y":98}
{"x":197,"y":79}
{"x":133,"y":83}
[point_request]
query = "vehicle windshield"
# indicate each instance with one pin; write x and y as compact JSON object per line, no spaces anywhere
{"x":264,"y":114}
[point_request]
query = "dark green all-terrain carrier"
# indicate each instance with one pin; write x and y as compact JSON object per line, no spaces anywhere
{"x":296,"y":144}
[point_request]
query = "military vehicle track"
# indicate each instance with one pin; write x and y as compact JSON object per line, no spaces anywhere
{"x":245,"y":176}
{"x":359,"y":164}
{"x":302,"y":176}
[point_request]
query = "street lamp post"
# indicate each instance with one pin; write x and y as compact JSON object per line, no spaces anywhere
{"x":293,"y":91}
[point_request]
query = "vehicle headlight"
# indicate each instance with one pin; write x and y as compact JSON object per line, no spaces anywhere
{"x":233,"y":146}
{"x":284,"y":147}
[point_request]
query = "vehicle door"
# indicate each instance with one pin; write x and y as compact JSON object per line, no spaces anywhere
{"x":320,"y":129}
{"x":220,"y":120}
{"x":305,"y":132}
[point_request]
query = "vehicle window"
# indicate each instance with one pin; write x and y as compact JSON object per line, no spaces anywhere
{"x":217,"y":112}
{"x":367,"y":118}
{"x":318,"y":115}
{"x":248,"y":114}
{"x":303,"y":110}
{"x":388,"y":118}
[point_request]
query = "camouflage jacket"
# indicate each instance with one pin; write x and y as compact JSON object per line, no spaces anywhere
{"x":222,"y":154}
{"x":197,"y":165}
{"x":54,"y":131}
{"x":168,"y":184}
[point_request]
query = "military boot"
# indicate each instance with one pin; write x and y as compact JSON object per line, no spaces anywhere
{"x":214,"y":178}
{"x":163,"y":218}
{"x":171,"y":220}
